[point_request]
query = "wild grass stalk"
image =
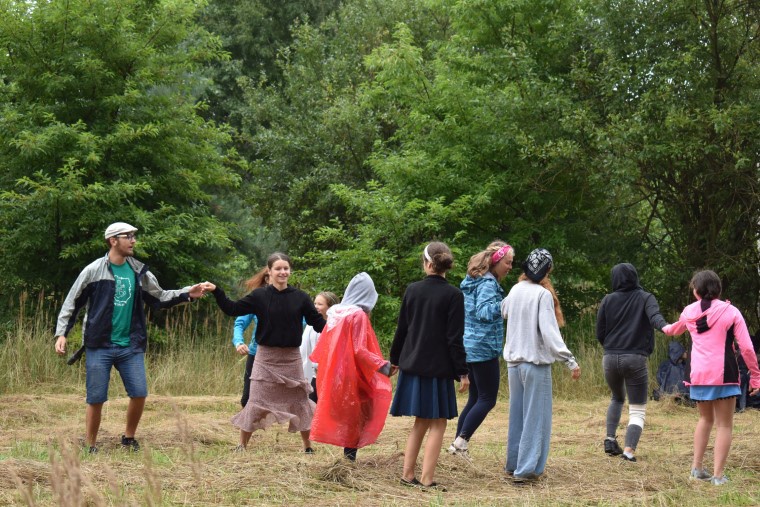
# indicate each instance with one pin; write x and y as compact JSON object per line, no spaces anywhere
{"x":190,"y":353}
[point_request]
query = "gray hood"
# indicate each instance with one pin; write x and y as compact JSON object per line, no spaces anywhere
{"x":361,"y":292}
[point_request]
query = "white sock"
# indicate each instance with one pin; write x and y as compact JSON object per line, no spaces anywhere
{"x":460,"y":443}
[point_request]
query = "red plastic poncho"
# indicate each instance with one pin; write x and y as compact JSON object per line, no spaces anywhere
{"x":353,"y":396}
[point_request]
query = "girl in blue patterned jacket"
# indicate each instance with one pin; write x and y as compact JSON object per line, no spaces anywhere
{"x":483,"y":336}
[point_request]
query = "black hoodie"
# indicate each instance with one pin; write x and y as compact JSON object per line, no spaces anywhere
{"x":627,"y":315}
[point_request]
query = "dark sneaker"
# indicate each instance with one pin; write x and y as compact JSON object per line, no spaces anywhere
{"x":308,"y":450}
{"x":612,"y":448}
{"x":524,"y":479}
{"x":130,"y":444}
{"x":625,"y":457}
{"x":92,"y":450}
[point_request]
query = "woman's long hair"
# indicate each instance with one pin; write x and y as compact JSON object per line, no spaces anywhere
{"x":260,"y":279}
{"x":546,"y":283}
{"x":481,"y":262}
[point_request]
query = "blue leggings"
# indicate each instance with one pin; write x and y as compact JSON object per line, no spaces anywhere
{"x":484,"y":387}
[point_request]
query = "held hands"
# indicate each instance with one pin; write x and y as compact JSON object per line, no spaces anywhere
{"x":200,"y":289}
{"x":754,"y":392}
{"x":60,"y":345}
{"x":242,"y":349}
{"x":464,"y":381}
{"x":394,"y":370}
{"x":196,"y":291}
{"x":576,"y":373}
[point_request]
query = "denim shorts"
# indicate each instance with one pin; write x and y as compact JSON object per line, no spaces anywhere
{"x":131,"y":367}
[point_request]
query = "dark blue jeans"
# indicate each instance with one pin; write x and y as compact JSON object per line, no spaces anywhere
{"x":484,"y":387}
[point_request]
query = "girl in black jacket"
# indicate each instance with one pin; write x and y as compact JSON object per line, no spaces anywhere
{"x":428,"y":351}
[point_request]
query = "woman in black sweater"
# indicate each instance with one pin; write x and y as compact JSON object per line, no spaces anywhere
{"x":428,"y":351}
{"x":281,"y":390}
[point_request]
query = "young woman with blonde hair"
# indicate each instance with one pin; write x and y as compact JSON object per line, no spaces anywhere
{"x":483,"y":336}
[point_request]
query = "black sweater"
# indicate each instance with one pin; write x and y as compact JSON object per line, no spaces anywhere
{"x":428,"y":340}
{"x":626,"y":316}
{"x":280,"y":314}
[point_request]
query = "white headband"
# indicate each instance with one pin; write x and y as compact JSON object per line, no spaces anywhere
{"x":427,"y":255}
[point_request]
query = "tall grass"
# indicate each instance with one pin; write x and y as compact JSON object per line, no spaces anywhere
{"x":191,"y":354}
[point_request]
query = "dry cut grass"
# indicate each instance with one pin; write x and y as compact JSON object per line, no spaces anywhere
{"x":187,"y":460}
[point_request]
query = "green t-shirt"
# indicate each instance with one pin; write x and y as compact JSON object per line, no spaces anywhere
{"x":123,"y":301}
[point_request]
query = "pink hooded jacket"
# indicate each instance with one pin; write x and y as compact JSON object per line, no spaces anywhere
{"x":713,"y":359}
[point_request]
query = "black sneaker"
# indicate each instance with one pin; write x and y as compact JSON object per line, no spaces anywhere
{"x":129,"y":443}
{"x":92,"y":450}
{"x":612,"y":448}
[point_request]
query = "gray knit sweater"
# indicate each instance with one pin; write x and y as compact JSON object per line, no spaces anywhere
{"x":532,"y":331}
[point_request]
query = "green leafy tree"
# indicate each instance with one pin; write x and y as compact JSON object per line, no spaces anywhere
{"x":312,"y":129}
{"x":99,"y":122}
{"x":493,"y":116}
{"x":383,"y":234}
{"x":253,"y":33}
{"x":676,"y":84}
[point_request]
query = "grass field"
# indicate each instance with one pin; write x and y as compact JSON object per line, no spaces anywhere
{"x":187,"y":459}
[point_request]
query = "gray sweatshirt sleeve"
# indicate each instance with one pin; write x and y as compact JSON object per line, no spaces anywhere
{"x":157,"y":297}
{"x":74,"y":302}
{"x":549,"y":329}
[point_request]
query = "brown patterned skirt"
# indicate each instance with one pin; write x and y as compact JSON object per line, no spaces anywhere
{"x":279,"y":392}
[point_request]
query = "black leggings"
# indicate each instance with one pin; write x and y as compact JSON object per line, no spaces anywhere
{"x":247,"y":379}
{"x":484,"y":387}
{"x":313,"y":394}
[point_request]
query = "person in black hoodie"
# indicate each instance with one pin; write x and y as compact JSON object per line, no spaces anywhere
{"x":624,"y":328}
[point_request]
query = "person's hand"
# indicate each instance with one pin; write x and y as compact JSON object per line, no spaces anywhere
{"x":576,"y":373}
{"x":394,"y":370}
{"x":242,"y":349}
{"x":60,"y":345}
{"x":208,"y":287}
{"x":196,"y":291}
{"x":464,"y":382}
{"x":754,"y":392}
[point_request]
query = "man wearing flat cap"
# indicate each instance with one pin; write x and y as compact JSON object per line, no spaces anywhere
{"x":113,"y":290}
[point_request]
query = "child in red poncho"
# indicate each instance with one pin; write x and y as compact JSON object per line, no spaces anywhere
{"x":352,"y":378}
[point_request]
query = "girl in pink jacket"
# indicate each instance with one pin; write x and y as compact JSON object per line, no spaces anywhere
{"x":714,"y":325}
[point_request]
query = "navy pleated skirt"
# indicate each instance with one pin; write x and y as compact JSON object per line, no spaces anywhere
{"x":426,"y":397}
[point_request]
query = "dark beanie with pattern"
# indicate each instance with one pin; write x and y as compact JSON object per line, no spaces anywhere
{"x":538,"y":264}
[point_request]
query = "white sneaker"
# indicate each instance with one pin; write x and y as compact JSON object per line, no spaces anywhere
{"x":719,"y":481}
{"x":698,"y":474}
{"x":459,"y":448}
